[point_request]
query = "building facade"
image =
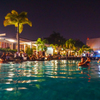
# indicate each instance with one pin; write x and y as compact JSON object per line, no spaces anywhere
{"x":93,"y":43}
{"x":12,"y":43}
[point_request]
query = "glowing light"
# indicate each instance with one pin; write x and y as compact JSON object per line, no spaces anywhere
{"x":87,"y":38}
{"x":22,"y":88}
{"x":3,"y":34}
{"x":9,"y":79}
{"x":98,"y":51}
{"x":1,"y":59}
{"x":9,"y":89}
{"x":29,"y":75}
{"x":7,"y":82}
{"x":55,"y":50}
{"x":35,"y":80}
{"x":99,"y":69}
{"x":23,"y":81}
{"x":11,"y":75}
{"x":28,"y":81}
{"x":11,"y":40}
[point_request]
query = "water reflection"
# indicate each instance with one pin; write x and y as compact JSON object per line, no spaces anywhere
{"x":31,"y":74}
{"x":54,"y":69}
{"x":28,"y":71}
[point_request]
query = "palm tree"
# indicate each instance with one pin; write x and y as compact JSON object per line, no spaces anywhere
{"x":18,"y":20}
{"x":41,"y":44}
{"x":54,"y":46}
{"x":70,"y":44}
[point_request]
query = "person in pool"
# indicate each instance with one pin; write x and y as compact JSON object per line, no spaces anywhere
{"x":3,"y":57}
{"x":98,"y":61}
{"x":82,"y":61}
{"x":87,"y":61}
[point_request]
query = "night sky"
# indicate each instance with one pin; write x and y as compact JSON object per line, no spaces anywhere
{"x":77,"y":19}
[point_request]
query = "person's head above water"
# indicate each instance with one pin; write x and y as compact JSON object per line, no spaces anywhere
{"x":88,"y":59}
{"x":82,"y":59}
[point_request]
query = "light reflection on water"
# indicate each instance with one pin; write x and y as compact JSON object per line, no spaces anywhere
{"x":42,"y":76}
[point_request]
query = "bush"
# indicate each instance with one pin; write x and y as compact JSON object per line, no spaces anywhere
{"x":8,"y":50}
{"x":29,"y":51}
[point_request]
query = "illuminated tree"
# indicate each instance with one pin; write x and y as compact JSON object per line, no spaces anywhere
{"x":18,"y":20}
{"x":41,"y":44}
{"x":54,"y":46}
{"x":70,"y":44}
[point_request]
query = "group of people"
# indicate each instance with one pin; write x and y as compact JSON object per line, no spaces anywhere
{"x":84,"y":61}
{"x":6,"y":57}
{"x":22,"y":56}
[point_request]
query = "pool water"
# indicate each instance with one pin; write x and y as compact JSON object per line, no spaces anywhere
{"x":50,"y":80}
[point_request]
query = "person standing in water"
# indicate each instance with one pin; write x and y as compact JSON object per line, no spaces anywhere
{"x":82,"y":61}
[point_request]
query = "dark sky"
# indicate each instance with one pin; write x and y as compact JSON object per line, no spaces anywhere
{"x":77,"y":19}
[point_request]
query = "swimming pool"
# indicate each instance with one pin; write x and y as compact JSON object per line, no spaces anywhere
{"x":49,"y":80}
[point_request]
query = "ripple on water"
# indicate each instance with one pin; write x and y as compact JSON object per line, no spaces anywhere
{"x":52,"y":80}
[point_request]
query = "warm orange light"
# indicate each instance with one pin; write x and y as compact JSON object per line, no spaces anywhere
{"x":87,"y":38}
{"x":55,"y":50}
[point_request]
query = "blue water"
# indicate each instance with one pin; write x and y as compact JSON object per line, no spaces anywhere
{"x":50,"y":80}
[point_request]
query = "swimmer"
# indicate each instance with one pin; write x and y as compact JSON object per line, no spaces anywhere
{"x":82,"y":61}
{"x":87,"y":61}
{"x":98,"y":61}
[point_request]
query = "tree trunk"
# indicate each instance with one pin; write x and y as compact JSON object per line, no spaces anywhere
{"x":18,"y":41}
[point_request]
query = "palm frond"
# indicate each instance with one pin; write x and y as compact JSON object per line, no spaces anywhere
{"x":8,"y":22}
{"x":14,"y":18}
{"x":13,"y":12}
{"x":20,"y":28}
{"x":26,"y":21}
{"x":23,"y":14}
{"x":8,"y":16}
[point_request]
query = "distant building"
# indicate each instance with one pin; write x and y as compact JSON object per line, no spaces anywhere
{"x":94,"y":43}
{"x":12,"y":43}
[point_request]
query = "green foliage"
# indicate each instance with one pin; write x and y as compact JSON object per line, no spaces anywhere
{"x":45,"y":40}
{"x":8,"y":50}
{"x":78,"y":43}
{"x":80,"y":51}
{"x":70,"y":44}
{"x":54,"y":46}
{"x":34,"y":48}
{"x":45,"y":48}
{"x":39,"y":41}
{"x":85,"y":48}
{"x":41,"y":44}
{"x":56,"y":38}
{"x":18,"y":20}
{"x":29,"y":51}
